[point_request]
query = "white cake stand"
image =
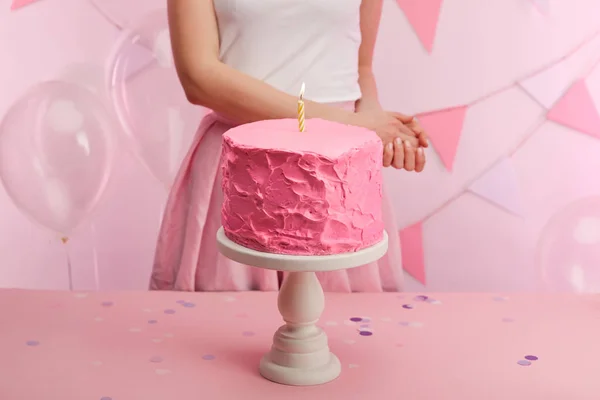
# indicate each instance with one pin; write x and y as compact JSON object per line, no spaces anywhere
{"x":300,"y":353}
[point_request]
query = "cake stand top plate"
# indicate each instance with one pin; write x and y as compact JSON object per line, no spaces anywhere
{"x":287,"y":262}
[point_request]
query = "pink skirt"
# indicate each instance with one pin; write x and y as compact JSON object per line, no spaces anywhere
{"x":187,"y":258}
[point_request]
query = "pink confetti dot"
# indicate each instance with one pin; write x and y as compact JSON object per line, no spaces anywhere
{"x":208,"y":357}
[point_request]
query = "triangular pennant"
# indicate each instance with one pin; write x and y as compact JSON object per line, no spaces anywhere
{"x":423,"y":15}
{"x":549,"y":84}
{"x":413,"y":259}
{"x":16,"y":4}
{"x":445,"y":128}
{"x":499,"y":185}
{"x":576,"y":110}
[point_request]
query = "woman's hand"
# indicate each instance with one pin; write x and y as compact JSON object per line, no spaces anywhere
{"x":402,"y":144}
{"x":404,"y":156}
{"x":387,"y":125}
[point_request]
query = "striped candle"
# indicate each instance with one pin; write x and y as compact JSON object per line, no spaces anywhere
{"x":301,"y":116}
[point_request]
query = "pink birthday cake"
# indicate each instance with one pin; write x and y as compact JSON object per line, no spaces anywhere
{"x":316,"y":192}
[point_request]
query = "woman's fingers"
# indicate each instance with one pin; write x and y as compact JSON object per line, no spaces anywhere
{"x":409,"y":138}
{"x":420,"y":160}
{"x":398,"y":162}
{"x":388,"y":154}
{"x":419,"y":133}
{"x":409,"y":156}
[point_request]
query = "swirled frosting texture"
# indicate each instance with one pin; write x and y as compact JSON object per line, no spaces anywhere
{"x":312,"y":193}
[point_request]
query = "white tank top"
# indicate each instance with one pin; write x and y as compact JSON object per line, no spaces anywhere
{"x":287,"y":42}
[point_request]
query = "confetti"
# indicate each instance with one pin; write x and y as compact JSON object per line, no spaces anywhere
{"x":32,"y":343}
{"x":434,"y":301}
{"x":408,"y":306}
{"x":156,"y":359}
{"x":421,"y":298}
{"x":500,"y":298}
{"x":524,"y":363}
{"x":356,"y":319}
{"x":107,"y":304}
{"x":169,"y":311}
{"x":248,"y":333}
{"x":152,"y":321}
{"x":106,"y":398}
{"x":181,"y":301}
{"x":189,"y":305}
{"x":208,"y":357}
{"x":365,"y":333}
{"x":531,"y":358}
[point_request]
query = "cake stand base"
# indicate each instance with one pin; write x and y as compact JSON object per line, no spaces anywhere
{"x":300,"y":353}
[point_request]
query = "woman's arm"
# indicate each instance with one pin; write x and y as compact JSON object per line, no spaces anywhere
{"x":370,"y":16}
{"x":210,"y":83}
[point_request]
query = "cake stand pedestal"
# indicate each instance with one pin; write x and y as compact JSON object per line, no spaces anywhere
{"x":300,"y":353}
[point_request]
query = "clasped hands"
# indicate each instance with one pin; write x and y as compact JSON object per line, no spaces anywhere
{"x":403,"y":138}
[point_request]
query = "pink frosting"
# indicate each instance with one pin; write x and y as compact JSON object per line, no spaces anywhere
{"x":312,"y":193}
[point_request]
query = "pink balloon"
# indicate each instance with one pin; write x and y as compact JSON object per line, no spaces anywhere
{"x":569,"y":248}
{"x":148,"y":98}
{"x":56,"y":154}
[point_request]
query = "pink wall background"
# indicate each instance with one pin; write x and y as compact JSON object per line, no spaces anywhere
{"x":509,"y":90}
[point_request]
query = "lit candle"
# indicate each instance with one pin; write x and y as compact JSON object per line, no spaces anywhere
{"x":301,"y":109}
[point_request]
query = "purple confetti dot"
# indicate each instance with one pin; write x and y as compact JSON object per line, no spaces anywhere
{"x":156,"y":359}
{"x":421,"y":298}
{"x":208,"y":357}
{"x":531,"y":358}
{"x":404,"y":323}
{"x":106,"y":398}
{"x":180,"y":301}
{"x":524,"y":363}
{"x":152,"y":321}
{"x":356,"y":319}
{"x":248,"y":333}
{"x":32,"y":343}
{"x":189,"y":305}
{"x":365,"y":333}
{"x":107,"y":304}
{"x":169,"y":311}
{"x":408,"y":306}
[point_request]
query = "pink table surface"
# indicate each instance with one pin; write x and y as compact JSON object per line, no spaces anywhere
{"x":190,"y":346}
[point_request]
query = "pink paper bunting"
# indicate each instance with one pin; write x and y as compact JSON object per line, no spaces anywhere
{"x":500,"y":186}
{"x":16,"y":4}
{"x":445,"y":128}
{"x":413,"y":259}
{"x":423,"y":15}
{"x":576,"y":110}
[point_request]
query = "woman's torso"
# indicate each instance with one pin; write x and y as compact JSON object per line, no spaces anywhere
{"x":287,"y":42}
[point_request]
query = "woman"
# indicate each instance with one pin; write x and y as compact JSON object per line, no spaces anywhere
{"x":246,"y":60}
